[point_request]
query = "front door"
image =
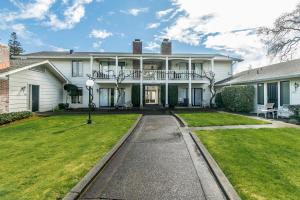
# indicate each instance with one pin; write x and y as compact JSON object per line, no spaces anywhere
{"x":197,"y":96}
{"x":104,"y":97}
{"x":273,"y":94}
{"x":35,"y":97}
{"x":151,"y":94}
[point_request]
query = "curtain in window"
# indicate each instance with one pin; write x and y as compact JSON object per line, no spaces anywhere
{"x":260,"y":94}
{"x":284,"y":92}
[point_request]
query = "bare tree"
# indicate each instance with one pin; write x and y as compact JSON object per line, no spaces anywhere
{"x":283,"y":39}
{"x":119,"y":77}
{"x":210,"y":76}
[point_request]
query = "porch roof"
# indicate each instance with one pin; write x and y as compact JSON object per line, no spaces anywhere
{"x":279,"y":71}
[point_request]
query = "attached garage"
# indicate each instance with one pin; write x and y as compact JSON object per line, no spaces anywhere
{"x":32,"y":85}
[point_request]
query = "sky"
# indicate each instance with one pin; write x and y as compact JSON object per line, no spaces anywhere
{"x":194,"y":26}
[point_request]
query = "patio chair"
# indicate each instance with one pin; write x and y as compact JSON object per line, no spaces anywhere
{"x":284,"y":111}
{"x":265,"y":109}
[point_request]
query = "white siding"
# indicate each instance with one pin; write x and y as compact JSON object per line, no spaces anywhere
{"x":50,"y":90}
{"x":295,"y":93}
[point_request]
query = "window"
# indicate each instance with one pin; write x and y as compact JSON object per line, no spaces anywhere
{"x":260,"y":94}
{"x":284,"y":92}
{"x":77,"y":68}
{"x":78,"y":98}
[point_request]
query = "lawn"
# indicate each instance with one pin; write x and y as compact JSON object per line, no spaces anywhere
{"x":200,"y":119}
{"x":43,"y":158}
{"x":260,"y":163}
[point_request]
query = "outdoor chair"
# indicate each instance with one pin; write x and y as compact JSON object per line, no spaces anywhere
{"x":266,"y":109}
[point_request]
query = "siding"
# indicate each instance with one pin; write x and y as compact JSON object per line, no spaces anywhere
{"x":50,"y":90}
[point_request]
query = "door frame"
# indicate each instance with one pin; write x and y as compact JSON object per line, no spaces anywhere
{"x":275,"y":92}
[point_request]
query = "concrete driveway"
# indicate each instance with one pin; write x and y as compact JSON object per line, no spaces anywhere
{"x":156,"y":162}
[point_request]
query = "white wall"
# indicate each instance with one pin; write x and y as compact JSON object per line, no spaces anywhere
{"x":51,"y":90}
{"x":295,"y":93}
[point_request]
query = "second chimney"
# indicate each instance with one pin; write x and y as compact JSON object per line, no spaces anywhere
{"x":4,"y":57}
{"x":166,"y":47}
{"x":137,"y":46}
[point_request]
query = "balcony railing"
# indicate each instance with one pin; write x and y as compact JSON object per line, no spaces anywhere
{"x":134,"y":74}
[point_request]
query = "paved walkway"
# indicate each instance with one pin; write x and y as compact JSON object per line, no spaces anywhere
{"x":159,"y":161}
{"x":274,"y":124}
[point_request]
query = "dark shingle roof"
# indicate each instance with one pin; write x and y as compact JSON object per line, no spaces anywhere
{"x":288,"y":69}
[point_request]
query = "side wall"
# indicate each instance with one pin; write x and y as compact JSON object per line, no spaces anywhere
{"x":19,"y":90}
{"x":4,"y":96}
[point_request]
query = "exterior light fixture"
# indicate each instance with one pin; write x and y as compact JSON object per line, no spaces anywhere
{"x":296,"y":85}
{"x":89,"y":85}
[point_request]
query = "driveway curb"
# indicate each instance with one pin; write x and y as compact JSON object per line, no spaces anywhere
{"x":222,"y":180}
{"x":182,"y":123}
{"x":89,"y":177}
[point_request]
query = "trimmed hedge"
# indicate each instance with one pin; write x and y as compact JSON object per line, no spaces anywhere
{"x":219,"y":101}
{"x":238,"y":98}
{"x":13,"y":116}
{"x":135,"y":95}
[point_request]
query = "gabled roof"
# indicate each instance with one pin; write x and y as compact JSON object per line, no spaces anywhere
{"x":87,"y":55}
{"x":283,"y":70}
{"x":17,"y":65}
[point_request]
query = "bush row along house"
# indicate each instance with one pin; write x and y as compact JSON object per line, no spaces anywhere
{"x":35,"y":81}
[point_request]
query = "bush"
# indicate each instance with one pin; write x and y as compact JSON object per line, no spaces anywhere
{"x":296,"y":110}
{"x":135,"y":95}
{"x":238,"y":98}
{"x":63,"y":106}
{"x":13,"y":116}
{"x":219,"y":101}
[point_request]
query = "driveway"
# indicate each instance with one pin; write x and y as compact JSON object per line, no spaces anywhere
{"x":156,"y":162}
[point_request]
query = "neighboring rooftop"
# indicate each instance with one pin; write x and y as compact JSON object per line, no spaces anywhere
{"x":19,"y":63}
{"x":283,"y":70}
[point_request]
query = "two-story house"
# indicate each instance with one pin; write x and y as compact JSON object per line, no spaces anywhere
{"x":146,"y":79}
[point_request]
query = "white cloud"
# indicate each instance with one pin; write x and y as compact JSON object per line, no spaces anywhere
{"x":135,"y":11}
{"x":152,"y":46}
{"x":58,"y":49}
{"x":163,"y":13}
{"x":26,"y":35}
{"x":100,"y":34}
{"x":153,"y":25}
{"x":72,"y":15}
{"x":215,"y":24}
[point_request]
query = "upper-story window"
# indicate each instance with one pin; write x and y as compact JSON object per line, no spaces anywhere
{"x":77,"y":68}
{"x":197,"y":67}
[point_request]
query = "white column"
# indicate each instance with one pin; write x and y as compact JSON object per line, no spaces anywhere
{"x":91,"y":65}
{"x":141,"y":83}
{"x":265,"y":93}
{"x":190,"y":82}
{"x":212,"y":64}
{"x":278,"y":94}
{"x":167,"y":83}
{"x":117,"y":65}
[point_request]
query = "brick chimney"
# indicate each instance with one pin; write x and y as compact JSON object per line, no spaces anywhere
{"x":166,"y":47}
{"x":4,"y":57}
{"x":137,"y":46}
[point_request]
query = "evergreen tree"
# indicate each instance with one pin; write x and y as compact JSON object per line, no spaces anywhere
{"x":15,"y":47}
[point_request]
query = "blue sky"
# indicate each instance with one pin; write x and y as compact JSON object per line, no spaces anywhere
{"x":197,"y":26}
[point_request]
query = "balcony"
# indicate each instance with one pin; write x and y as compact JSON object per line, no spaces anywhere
{"x":134,"y":74}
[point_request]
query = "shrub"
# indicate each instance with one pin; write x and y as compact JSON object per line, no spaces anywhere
{"x":63,"y":106}
{"x":238,"y":98}
{"x":135,"y":95}
{"x":296,"y":110}
{"x":219,"y":101}
{"x":13,"y":116}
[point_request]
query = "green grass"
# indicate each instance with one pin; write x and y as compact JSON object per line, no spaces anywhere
{"x":260,"y":163}
{"x":43,"y":158}
{"x":200,"y":119}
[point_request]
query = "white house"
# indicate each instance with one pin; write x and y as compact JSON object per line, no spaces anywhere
{"x":162,"y":79}
{"x":277,"y":83}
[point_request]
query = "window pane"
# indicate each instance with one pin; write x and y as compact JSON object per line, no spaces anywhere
{"x":74,"y":69}
{"x":284,"y":92}
{"x":260,"y":94}
{"x":80,"y":68}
